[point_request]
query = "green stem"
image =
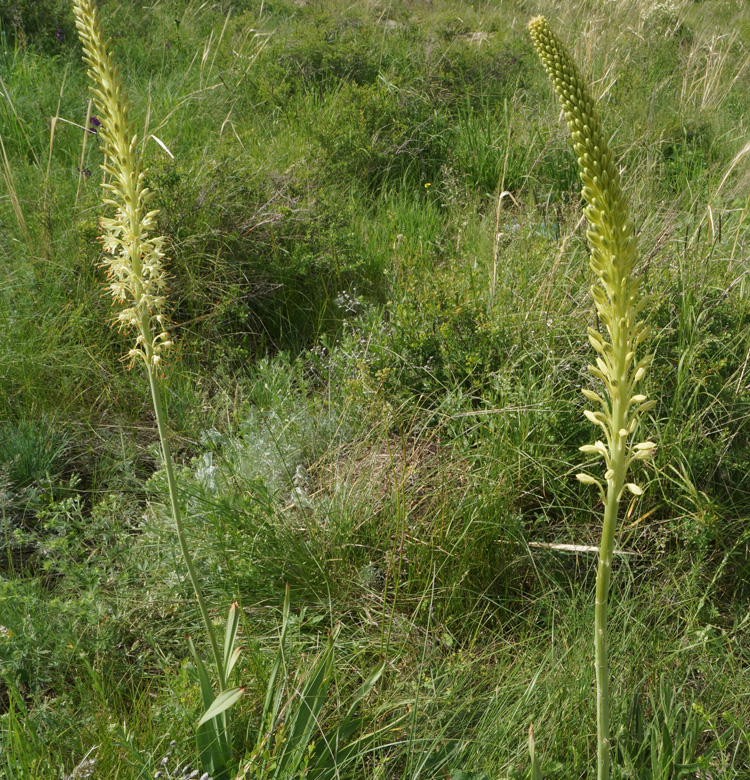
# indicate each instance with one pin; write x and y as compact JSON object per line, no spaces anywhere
{"x":618,"y":464}
{"x":600,"y":634}
{"x":174,"y":499}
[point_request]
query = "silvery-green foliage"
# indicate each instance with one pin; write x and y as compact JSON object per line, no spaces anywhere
{"x":282,"y":431}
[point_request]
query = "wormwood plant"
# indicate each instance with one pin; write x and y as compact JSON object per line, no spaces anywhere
{"x":133,"y":259}
{"x":618,"y":303}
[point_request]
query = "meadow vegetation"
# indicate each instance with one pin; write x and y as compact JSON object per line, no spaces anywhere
{"x":380,"y":287}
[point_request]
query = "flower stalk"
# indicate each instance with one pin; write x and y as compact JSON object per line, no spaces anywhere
{"x":133,"y":258}
{"x":618,"y":304}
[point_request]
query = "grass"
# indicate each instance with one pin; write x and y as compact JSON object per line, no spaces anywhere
{"x":376,"y":391}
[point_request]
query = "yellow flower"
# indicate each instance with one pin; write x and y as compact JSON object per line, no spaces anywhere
{"x":613,"y":254}
{"x":618,"y":303}
{"x":132,"y":257}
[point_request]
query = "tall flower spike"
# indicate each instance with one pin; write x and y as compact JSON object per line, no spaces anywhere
{"x":133,"y":259}
{"x":618,"y":304}
{"x":613,"y":253}
{"x":137,"y":279}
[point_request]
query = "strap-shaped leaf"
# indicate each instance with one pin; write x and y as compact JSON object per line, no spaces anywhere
{"x":304,"y":718}
{"x":211,"y":736}
{"x":364,"y":689}
{"x":274,"y":692}
{"x":207,"y":690}
{"x":222,"y":703}
{"x":212,"y":748}
{"x":334,"y":751}
{"x":230,"y":636}
{"x":330,"y":744}
{"x":232,"y":661}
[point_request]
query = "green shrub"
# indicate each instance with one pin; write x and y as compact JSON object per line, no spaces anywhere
{"x":482,"y":73}
{"x":382,"y":134}
{"x":46,"y":24}
{"x":320,"y":55}
{"x":441,"y":345}
{"x":258,"y":258}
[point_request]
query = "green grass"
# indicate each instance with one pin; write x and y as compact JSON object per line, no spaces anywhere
{"x":376,"y":392}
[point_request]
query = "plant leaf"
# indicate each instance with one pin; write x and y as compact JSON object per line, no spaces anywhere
{"x":272,"y":701}
{"x":232,"y":661}
{"x":207,"y":690}
{"x":213,"y":750}
{"x":222,"y":703}
{"x":350,"y":725}
{"x":334,"y":751}
{"x":305,"y":715}
{"x":230,"y":636}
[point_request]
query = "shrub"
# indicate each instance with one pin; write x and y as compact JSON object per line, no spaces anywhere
{"x":479,"y":74}
{"x":258,"y":257}
{"x":46,"y":24}
{"x":381,"y":134}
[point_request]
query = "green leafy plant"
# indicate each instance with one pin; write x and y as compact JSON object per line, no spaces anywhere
{"x":285,"y":746}
{"x":214,"y":728}
{"x":618,"y":304}
{"x":134,"y":262}
{"x":381,"y":135}
{"x":664,"y":746}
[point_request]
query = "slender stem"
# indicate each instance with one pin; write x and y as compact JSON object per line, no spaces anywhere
{"x":600,"y":635}
{"x":618,"y":465}
{"x":174,"y":499}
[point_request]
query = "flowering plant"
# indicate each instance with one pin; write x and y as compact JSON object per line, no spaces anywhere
{"x":134,"y":260}
{"x":619,"y":303}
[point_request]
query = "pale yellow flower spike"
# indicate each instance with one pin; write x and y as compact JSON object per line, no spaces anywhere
{"x":133,"y":259}
{"x":137,"y":279}
{"x":618,"y":303}
{"x":613,"y":254}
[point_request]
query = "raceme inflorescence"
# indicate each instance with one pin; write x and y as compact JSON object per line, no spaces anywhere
{"x":619,"y":303}
{"x":135,"y":270}
{"x":132,"y":257}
